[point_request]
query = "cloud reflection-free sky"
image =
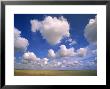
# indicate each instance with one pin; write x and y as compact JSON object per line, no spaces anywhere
{"x":39,"y":46}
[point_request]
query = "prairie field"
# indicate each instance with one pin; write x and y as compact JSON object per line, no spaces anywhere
{"x":55,"y":72}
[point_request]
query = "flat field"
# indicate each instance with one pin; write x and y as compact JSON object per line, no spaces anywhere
{"x":55,"y":72}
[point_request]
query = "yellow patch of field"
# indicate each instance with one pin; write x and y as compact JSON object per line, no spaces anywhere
{"x":55,"y":73}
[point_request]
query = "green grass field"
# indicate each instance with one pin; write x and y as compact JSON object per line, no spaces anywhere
{"x":55,"y":73}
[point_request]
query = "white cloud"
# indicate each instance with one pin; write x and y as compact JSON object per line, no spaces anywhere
{"x":68,"y":62}
{"x":64,"y":52}
{"x":67,"y":52}
{"x":91,"y":31}
{"x":45,"y":60}
{"x":20,"y":43}
{"x":35,"y":25}
{"x":52,"y":29}
{"x":30,"y":56}
{"x":51,"y":53}
{"x":82,"y":52}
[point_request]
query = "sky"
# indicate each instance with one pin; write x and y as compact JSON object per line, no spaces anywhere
{"x":51,"y":37}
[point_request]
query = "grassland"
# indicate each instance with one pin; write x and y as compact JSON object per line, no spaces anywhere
{"x":55,"y":72}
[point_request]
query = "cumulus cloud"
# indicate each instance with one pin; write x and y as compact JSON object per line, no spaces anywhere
{"x":20,"y":43}
{"x":51,"y":53}
{"x":35,"y":25}
{"x":65,"y":52}
{"x":82,"y":52}
{"x":31,"y":61}
{"x":52,"y":29}
{"x":45,"y":61}
{"x":30,"y":56}
{"x":91,"y":31}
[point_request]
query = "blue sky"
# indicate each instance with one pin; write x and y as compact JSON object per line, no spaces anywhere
{"x":40,"y":46}
{"x":37,"y":43}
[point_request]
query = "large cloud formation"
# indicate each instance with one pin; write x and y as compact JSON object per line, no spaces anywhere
{"x":20,"y":43}
{"x":52,"y":29}
{"x":67,"y":52}
{"x":30,"y":57}
{"x":69,"y":59}
{"x":91,"y":31}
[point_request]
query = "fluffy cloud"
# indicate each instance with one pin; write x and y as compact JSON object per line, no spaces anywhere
{"x":64,"y":62}
{"x":20,"y":43}
{"x":91,"y":31}
{"x":35,"y":25}
{"x":45,"y":61}
{"x":82,"y":52}
{"x":67,"y":52}
{"x":30,"y":56}
{"x":51,"y":53}
{"x":64,"y":52}
{"x":52,"y":29}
